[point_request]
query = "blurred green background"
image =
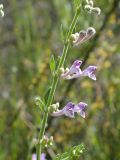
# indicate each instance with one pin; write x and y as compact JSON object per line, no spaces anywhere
{"x":30,"y":33}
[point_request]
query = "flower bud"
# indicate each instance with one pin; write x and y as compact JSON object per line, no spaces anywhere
{"x":35,"y":141}
{"x":53,"y":107}
{"x":50,"y":142}
{"x":37,"y":101}
{"x":1,"y":10}
{"x":88,"y":8}
{"x":91,"y":31}
{"x":51,"y":138}
{"x":74,"y":152}
{"x":67,"y":70}
{"x":97,"y":10}
{"x":46,"y":145}
{"x":81,"y":151}
{"x":61,"y":70}
{"x":72,"y":37}
{"x":57,"y":105}
{"x":46,"y":142}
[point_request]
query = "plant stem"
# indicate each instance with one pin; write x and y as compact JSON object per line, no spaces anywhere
{"x":55,"y":81}
{"x":66,"y":45}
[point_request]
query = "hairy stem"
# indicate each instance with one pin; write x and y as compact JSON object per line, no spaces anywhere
{"x":55,"y":81}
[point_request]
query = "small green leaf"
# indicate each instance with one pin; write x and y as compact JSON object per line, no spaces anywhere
{"x":47,"y":94}
{"x":52,"y":64}
{"x":73,"y":153}
{"x":39,"y":103}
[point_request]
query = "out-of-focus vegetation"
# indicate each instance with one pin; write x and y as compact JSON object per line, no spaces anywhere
{"x":30,"y":33}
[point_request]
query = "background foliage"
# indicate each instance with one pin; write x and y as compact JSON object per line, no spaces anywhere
{"x":30,"y":33}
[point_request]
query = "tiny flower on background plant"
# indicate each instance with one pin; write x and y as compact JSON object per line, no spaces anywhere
{"x":75,"y":71}
{"x":42,"y":157}
{"x":70,"y":109}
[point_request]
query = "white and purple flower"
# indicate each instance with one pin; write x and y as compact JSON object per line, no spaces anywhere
{"x":70,"y":109}
{"x":75,"y":71}
{"x":82,"y":36}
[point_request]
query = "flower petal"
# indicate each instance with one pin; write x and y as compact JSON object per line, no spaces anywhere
{"x":82,"y":113}
{"x":58,"y":113}
{"x":92,"y":76}
{"x":69,"y":110}
{"x":43,"y":156}
{"x":89,"y":71}
{"x":75,"y":66}
{"x":34,"y":156}
{"x":80,"y":107}
{"x":69,"y":113}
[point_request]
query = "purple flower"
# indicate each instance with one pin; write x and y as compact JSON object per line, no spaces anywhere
{"x":75,"y":71}
{"x":42,"y":157}
{"x":70,"y":109}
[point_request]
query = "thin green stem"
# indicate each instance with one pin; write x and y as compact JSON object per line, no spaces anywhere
{"x":54,"y":83}
{"x":66,"y":46}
